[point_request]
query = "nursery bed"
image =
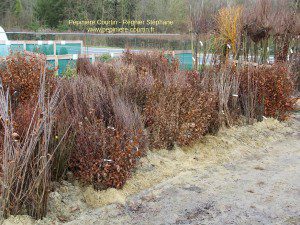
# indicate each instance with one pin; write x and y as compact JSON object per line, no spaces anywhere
{"x":239,"y":176}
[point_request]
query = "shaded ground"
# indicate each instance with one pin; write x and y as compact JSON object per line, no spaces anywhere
{"x":244,"y":175}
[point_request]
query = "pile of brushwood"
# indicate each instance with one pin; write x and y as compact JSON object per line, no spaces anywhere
{"x":100,"y":121}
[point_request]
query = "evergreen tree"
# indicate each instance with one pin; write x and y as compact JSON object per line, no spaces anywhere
{"x":18,"y":8}
{"x":51,"y":12}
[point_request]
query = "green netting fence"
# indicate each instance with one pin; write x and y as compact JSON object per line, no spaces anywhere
{"x":71,"y":49}
{"x":60,"y":54}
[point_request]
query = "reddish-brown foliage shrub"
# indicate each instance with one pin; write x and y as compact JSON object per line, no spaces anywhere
{"x":274,"y":87}
{"x":108,"y":132}
{"x":155,"y":64}
{"x":107,"y":157}
{"x":277,"y":90}
{"x":22,"y":116}
{"x":21,"y":72}
{"x":175,"y":107}
{"x":109,"y":103}
{"x":178,"y":111}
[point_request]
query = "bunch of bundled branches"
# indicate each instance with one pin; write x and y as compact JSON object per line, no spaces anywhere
{"x":21,"y":73}
{"x":27,"y":160}
{"x":224,"y":81}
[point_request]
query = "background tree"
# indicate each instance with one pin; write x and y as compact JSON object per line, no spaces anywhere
{"x":50,"y":12}
{"x":172,"y":10}
{"x":16,"y":13}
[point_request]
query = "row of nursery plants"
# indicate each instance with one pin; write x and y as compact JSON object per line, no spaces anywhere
{"x":258,"y":31}
{"x":100,"y":121}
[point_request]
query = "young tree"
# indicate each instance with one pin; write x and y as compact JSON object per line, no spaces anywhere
{"x":202,"y":21}
{"x":286,"y":13}
{"x":18,"y":8}
{"x":258,"y":17}
{"x":229,"y":28}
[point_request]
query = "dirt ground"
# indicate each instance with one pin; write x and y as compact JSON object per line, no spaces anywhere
{"x":243,"y":175}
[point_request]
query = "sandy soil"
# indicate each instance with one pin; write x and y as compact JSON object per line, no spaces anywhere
{"x":243,"y":175}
